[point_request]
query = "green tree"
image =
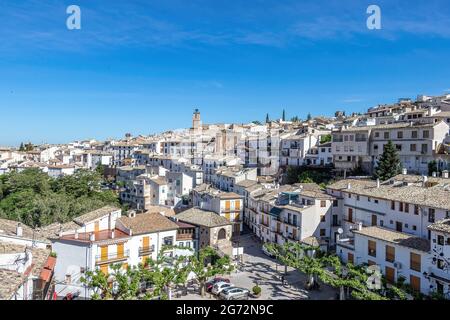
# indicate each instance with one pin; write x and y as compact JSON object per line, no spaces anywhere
{"x":330,"y":270}
{"x":35,"y":199}
{"x":208,"y":264}
{"x":325,"y":138}
{"x":309,"y":117}
{"x":267,"y":118}
{"x":432,"y":167}
{"x":295,"y":119}
{"x":283,"y":117}
{"x":257,"y":122}
{"x":22,"y":147}
{"x":389,"y":164}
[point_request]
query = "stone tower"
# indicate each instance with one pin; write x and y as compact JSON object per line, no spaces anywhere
{"x":196,"y":121}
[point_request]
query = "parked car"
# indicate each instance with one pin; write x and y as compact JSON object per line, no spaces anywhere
{"x":235,"y":293}
{"x":210,"y":284}
{"x":218,"y":287}
{"x":267,"y":253}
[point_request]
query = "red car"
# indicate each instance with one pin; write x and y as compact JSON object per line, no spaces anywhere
{"x":210,"y":284}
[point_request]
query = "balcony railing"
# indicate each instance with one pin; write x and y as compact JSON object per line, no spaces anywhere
{"x":188,"y":236}
{"x":144,"y":251}
{"x":112,"y":257}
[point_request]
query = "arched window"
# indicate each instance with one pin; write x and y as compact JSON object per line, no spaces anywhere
{"x":222,"y":234}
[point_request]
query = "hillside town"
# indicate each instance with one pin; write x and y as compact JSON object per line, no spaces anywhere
{"x":239,"y":187}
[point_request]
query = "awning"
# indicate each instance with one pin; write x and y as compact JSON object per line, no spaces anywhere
{"x":50,"y":264}
{"x":46,"y":274}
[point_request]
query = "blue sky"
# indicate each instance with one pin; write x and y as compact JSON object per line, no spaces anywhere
{"x":142,"y":66}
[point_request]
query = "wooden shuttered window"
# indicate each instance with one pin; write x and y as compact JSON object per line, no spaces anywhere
{"x":390,"y":253}
{"x":415,"y":261}
{"x":415,"y":283}
{"x":372,"y":248}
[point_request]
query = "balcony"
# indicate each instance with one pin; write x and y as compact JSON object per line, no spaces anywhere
{"x":184,"y":237}
{"x":145,"y":251}
{"x":112,"y":257}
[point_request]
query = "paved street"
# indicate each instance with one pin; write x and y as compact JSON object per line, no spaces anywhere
{"x":258,"y":268}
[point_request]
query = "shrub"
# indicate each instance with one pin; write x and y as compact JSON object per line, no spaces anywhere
{"x":256,"y":290}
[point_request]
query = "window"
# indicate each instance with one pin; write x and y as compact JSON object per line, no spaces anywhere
{"x":398,"y":147}
{"x":322,"y":218}
{"x":392,"y":205}
{"x":413,"y":147}
{"x":440,"y":264}
{"x":424,"y":148}
{"x":335,"y":203}
{"x":372,"y":248}
{"x":431,"y":215}
{"x":414,"y":134}
{"x":414,"y":261}
{"x":415,"y":283}
{"x":400,"y":206}
{"x":357,"y":198}
{"x":349,"y":195}
{"x":400,"y":135}
{"x":426,"y":134}
{"x":386,"y":135}
{"x":377,"y":134}
{"x":322,"y":232}
{"x":376,"y":201}
{"x":323,"y":203}
{"x":416,"y":209}
{"x":390,"y":253}
{"x":414,"y":227}
{"x":350,"y":214}
{"x":406,"y":207}
{"x":440,"y":240}
{"x":168,"y":241}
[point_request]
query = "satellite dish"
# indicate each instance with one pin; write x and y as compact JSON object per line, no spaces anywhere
{"x":340,"y":231}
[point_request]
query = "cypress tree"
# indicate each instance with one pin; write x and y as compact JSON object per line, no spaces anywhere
{"x":267,"y":118}
{"x":389,"y":164}
{"x":284,"y":116}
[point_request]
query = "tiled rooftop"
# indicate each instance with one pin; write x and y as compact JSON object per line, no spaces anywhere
{"x":148,"y":223}
{"x":399,"y":238}
{"x":197,"y":216}
{"x":437,"y":195}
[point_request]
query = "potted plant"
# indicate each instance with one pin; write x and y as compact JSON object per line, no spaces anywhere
{"x":256,"y":291}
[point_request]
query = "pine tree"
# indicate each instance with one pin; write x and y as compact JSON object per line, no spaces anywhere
{"x":22,"y":148}
{"x":389,"y":164}
{"x":267,"y":118}
{"x":284,"y":116}
{"x":309,"y":117}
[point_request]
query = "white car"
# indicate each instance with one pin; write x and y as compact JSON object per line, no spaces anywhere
{"x":220,"y":286}
{"x":235,"y":293}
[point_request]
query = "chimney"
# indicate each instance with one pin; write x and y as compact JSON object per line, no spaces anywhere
{"x":378,"y":183}
{"x":434,"y":174}
{"x":404,"y":171}
{"x":445,"y":174}
{"x":76,"y":235}
{"x":19,"y":230}
{"x":132,"y":214}
{"x":92,"y":237}
{"x":113,"y":234}
{"x":349,"y":186}
{"x":424,"y":180}
{"x":359,"y":226}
